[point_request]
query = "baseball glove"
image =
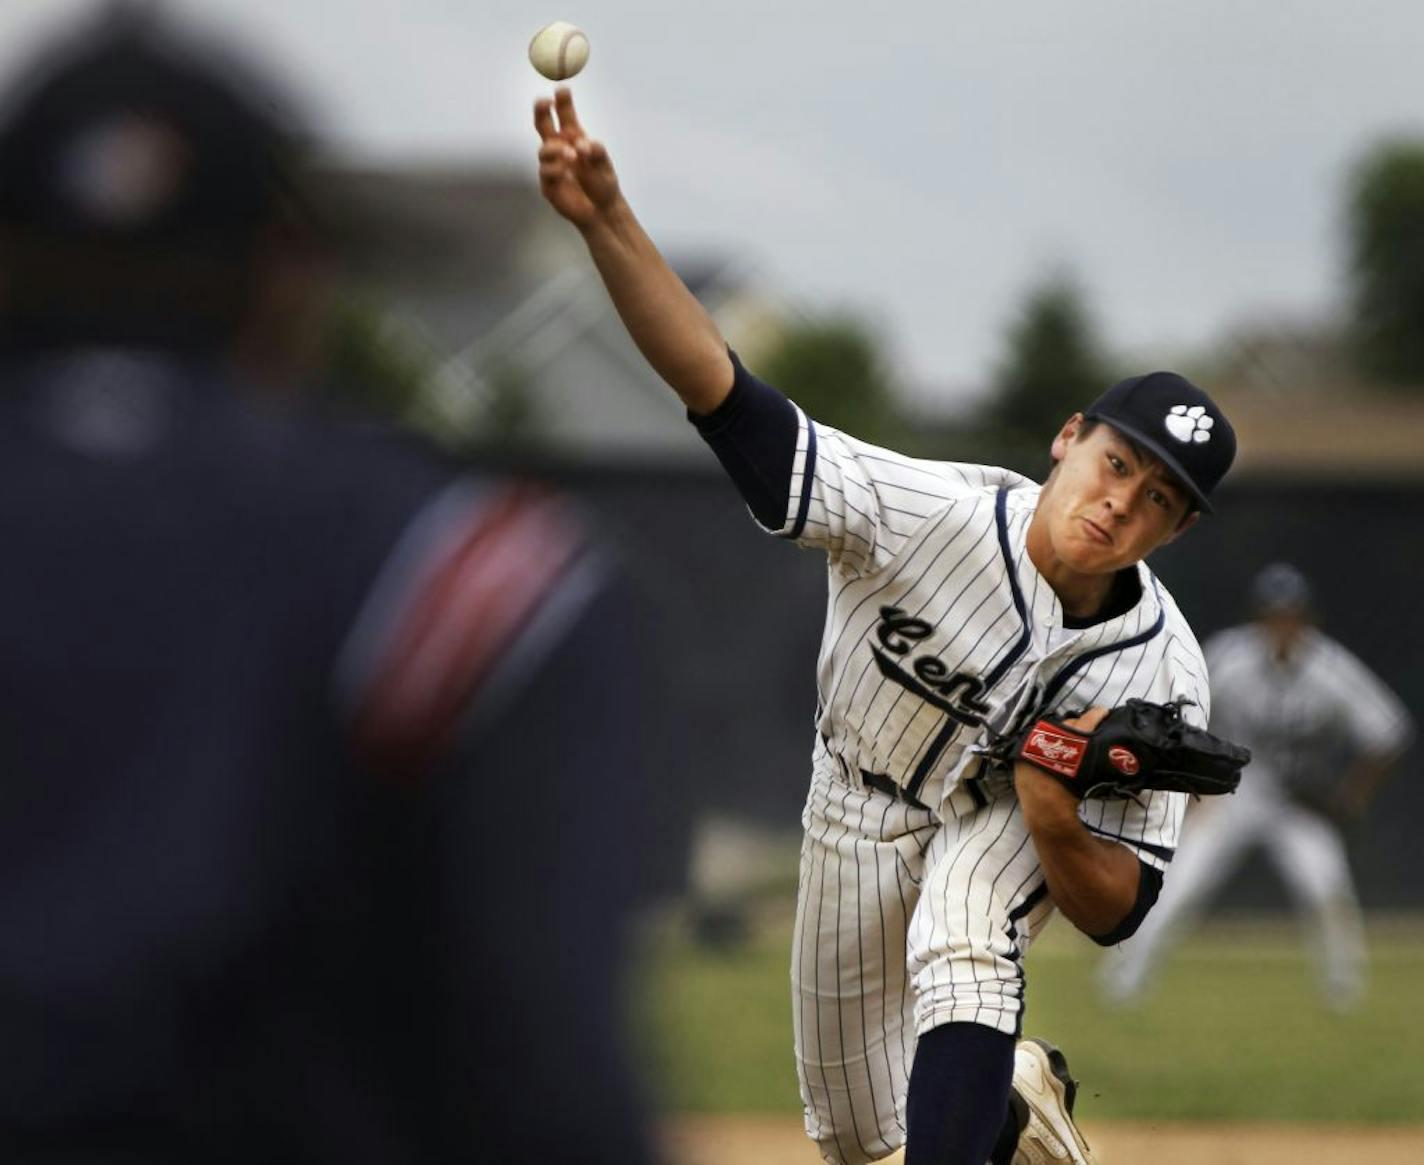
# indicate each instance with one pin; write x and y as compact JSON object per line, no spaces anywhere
{"x":1138,"y":746}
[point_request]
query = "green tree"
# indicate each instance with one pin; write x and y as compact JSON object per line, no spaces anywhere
{"x":1053,"y":364}
{"x":833,"y":367}
{"x":1385,"y":224}
{"x":372,"y":363}
{"x":510,"y":414}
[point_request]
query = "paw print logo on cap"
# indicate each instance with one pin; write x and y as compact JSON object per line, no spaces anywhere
{"x":1190,"y":425}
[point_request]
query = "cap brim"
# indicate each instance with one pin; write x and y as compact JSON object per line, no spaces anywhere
{"x":1154,"y":446}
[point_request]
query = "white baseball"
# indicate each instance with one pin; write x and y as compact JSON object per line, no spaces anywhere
{"x":559,"y":50}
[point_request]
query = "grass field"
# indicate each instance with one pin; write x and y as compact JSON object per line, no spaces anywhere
{"x":1233,"y":1032}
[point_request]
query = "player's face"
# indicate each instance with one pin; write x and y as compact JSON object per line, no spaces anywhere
{"x":1110,"y":503}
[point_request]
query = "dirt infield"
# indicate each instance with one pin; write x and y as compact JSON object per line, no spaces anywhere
{"x":778,"y":1140}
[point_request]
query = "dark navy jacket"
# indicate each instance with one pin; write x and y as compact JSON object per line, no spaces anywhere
{"x":309,"y":752}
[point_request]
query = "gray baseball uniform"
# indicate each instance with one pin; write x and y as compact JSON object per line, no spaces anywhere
{"x":1293,"y":714}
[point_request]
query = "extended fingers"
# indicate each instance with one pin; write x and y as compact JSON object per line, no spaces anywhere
{"x":556,"y":157}
{"x":575,"y":173}
{"x":594,"y":165}
{"x":544,"y":119}
{"x":568,"y":115}
{"x":557,"y":120}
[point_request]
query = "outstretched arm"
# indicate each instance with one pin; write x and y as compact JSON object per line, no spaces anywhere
{"x":672,"y":330}
{"x":796,"y":476}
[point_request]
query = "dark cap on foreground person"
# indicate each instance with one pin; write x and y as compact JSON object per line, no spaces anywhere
{"x":133,"y":133}
{"x":1175,"y":420}
{"x":137,"y":156}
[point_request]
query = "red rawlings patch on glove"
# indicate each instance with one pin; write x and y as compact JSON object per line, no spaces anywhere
{"x":1055,"y":749}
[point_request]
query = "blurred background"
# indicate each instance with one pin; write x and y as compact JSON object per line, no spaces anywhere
{"x":943,"y":230}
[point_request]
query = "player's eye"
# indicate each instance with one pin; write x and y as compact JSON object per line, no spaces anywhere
{"x":1159,"y":498}
{"x":1118,"y":464}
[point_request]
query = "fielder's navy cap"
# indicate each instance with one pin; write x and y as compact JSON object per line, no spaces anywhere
{"x":1172,"y":418}
{"x":1280,"y":587}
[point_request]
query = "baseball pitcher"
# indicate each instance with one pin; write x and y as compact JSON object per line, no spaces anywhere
{"x":979,"y":628}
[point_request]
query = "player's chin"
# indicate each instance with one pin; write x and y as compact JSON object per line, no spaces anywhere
{"x":1090,"y":557}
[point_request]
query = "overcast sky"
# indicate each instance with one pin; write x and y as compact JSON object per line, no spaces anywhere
{"x":922,"y":162}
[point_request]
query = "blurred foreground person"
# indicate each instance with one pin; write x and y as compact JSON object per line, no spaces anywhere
{"x":303,"y":735}
{"x":1324,"y":732}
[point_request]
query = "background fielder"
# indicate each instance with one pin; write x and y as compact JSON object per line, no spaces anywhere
{"x":1324,"y":733}
{"x":961,"y":597}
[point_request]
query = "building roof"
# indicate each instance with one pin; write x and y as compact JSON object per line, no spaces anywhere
{"x":1301,"y":407}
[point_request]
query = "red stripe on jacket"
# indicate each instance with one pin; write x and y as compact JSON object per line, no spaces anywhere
{"x":490,"y":578}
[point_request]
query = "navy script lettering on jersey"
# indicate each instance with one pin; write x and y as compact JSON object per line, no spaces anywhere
{"x":956,"y":694}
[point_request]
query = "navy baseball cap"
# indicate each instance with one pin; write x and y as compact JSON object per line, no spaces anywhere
{"x":1172,"y":418}
{"x":1280,"y":587}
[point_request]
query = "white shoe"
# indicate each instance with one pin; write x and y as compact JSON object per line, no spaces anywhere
{"x":1041,"y":1079}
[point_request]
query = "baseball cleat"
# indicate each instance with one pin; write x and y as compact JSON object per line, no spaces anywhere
{"x":1049,"y":1137}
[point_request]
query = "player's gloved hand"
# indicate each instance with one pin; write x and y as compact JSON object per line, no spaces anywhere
{"x":576,"y":175}
{"x":1138,"y":746}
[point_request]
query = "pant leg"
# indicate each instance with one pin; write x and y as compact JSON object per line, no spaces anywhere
{"x":861,"y":865}
{"x":1310,"y":854}
{"x":1213,"y":842}
{"x":984,"y":899}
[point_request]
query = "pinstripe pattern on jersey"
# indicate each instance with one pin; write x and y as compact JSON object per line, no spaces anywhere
{"x":862,"y":502}
{"x":983,"y":899}
{"x":1036,"y":901}
{"x":946,"y":545}
{"x":1151,"y":670}
{"x":938,"y":625}
{"x":1159,"y":851}
{"x":1075,"y":665}
{"x":950,"y":729}
{"x":861,"y":867}
{"x":1001,"y":526}
{"x":887,"y":889}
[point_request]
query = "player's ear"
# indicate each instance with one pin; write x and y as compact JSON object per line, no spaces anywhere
{"x":1066,"y":436}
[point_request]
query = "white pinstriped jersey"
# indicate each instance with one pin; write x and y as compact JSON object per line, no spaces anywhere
{"x":1297,"y":715}
{"x":938,"y":623}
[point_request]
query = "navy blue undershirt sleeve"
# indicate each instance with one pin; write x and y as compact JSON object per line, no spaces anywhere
{"x":753,"y":433}
{"x":1149,"y":885}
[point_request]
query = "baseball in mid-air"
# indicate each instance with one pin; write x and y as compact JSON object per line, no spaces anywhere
{"x":559,"y":50}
